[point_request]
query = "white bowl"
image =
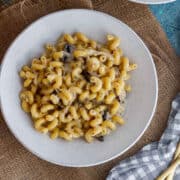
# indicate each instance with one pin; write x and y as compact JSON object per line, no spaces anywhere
{"x":141,"y":102}
{"x":152,"y":1}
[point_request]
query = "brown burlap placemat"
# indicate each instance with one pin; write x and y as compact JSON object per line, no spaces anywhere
{"x":15,"y":161}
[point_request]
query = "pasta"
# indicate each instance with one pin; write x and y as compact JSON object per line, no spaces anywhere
{"x":77,"y":88}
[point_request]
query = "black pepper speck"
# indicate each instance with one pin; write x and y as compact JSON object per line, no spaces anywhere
{"x":100,"y":138}
{"x":104,"y":116}
{"x":86,"y":75}
{"x":64,"y":58}
{"x":68,"y":48}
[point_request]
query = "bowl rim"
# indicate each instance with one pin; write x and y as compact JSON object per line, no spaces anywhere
{"x":108,"y":158}
{"x":152,"y":2}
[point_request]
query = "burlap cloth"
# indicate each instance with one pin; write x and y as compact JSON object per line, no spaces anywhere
{"x":15,"y":161}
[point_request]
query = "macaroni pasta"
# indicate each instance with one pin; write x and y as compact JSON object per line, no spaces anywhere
{"x":77,"y":88}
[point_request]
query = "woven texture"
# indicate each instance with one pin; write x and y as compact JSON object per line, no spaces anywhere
{"x":155,"y":157}
{"x":15,"y":161}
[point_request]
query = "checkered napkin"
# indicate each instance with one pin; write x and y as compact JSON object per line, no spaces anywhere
{"x":154,"y":158}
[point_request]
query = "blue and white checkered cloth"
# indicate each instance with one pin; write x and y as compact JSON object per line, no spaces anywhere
{"x":154,"y":158}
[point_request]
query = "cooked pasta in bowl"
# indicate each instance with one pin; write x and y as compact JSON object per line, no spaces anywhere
{"x":77,"y":88}
{"x":82,"y":78}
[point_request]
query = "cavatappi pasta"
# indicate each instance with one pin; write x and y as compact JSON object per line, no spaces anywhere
{"x":77,"y":88}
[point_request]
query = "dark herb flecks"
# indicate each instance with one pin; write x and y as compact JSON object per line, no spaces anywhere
{"x":104,"y":116}
{"x":100,"y":138}
{"x":60,"y":105}
{"x":68,"y":48}
{"x":86,"y":75}
{"x":118,"y":98}
{"x":64,"y":58}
